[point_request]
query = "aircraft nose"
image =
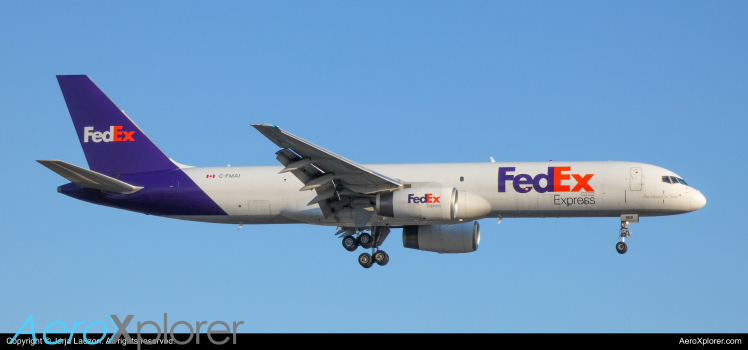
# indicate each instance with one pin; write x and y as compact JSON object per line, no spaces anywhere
{"x":698,"y":201}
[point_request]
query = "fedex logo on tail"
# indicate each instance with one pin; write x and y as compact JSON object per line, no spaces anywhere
{"x":556,"y":180}
{"x":428,"y":198}
{"x":115,"y":134}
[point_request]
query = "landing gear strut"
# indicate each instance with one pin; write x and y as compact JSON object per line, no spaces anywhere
{"x":621,"y":247}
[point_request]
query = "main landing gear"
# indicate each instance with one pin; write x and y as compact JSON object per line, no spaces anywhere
{"x":352,"y":241}
{"x":621,"y":247}
{"x":364,"y":240}
{"x":367,"y":260}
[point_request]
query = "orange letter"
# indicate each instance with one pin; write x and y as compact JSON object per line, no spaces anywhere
{"x":582,"y":183}
{"x":128,"y":135}
{"x":116,"y":133}
{"x":557,"y":177}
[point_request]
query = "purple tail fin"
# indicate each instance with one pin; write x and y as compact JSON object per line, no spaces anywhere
{"x":113,"y":144}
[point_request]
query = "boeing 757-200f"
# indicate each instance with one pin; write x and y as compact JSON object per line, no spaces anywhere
{"x":436,"y":205}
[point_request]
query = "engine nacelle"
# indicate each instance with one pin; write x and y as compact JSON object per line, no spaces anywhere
{"x":457,"y":238}
{"x":425,"y":203}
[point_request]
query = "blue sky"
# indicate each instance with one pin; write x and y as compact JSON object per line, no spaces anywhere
{"x":664,"y":83}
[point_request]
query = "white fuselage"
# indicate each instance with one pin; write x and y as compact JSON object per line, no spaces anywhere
{"x":259,"y":195}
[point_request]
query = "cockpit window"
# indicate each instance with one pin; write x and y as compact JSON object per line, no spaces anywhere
{"x":666,"y":179}
{"x":674,"y":179}
{"x":681,"y":181}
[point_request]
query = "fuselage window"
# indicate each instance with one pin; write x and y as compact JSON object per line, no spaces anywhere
{"x":666,"y":179}
{"x":681,"y":181}
{"x":462,"y":178}
{"x":674,"y":179}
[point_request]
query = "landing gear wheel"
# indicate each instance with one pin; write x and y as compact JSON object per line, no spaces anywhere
{"x":365,"y":260}
{"x":350,"y":243}
{"x":365,"y":240}
{"x":381,"y":258}
{"x":621,"y":247}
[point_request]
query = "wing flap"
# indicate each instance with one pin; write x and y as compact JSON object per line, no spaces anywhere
{"x":88,"y":178}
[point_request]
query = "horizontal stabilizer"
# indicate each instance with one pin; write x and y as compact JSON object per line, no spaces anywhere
{"x":87,"y":178}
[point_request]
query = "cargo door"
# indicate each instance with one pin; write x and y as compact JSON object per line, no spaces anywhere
{"x":259,"y":208}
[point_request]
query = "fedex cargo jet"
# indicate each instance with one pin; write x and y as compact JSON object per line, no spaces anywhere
{"x":436,"y":205}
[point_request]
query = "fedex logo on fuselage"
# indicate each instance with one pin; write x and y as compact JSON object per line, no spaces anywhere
{"x":555,"y":180}
{"x":428,"y":198}
{"x":115,"y":134}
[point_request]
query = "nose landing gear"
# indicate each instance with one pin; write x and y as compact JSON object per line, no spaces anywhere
{"x":621,"y":247}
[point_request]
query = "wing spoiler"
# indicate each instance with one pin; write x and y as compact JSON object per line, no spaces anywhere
{"x":87,"y":178}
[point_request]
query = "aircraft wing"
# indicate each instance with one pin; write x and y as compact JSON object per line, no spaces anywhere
{"x":87,"y":178}
{"x":320,"y":169}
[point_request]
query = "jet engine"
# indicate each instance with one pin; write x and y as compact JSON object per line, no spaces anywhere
{"x":457,"y":238}
{"x":432,"y":203}
{"x":425,"y":203}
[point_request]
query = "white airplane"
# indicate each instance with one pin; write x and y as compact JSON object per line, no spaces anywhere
{"x":436,"y":205}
